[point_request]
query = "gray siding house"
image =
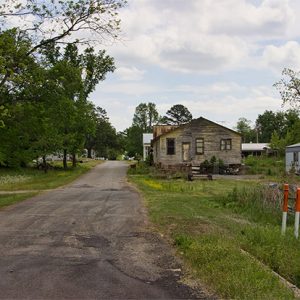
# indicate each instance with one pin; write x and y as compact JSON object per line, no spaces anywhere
{"x":292,"y":158}
{"x":193,"y":143}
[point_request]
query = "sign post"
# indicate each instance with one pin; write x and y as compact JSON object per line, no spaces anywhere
{"x":285,"y":208}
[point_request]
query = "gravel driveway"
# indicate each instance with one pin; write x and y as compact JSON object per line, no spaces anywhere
{"x":88,"y":240}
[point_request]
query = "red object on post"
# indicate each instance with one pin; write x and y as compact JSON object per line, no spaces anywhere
{"x":285,"y":198}
{"x":297,"y":206}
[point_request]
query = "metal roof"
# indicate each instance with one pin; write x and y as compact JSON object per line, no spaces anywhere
{"x":295,"y":145}
{"x":255,"y":146}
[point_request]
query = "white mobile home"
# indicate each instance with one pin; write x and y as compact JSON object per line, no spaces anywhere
{"x":292,"y":158}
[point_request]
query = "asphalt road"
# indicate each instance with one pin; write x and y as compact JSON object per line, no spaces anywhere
{"x":88,"y":240}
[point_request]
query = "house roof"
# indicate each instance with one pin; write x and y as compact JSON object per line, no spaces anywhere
{"x":147,"y":137}
{"x":294,"y":145}
{"x":255,"y":146}
{"x":187,"y":124}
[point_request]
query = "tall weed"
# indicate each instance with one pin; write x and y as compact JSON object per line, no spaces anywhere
{"x":259,"y":203}
{"x":280,"y":253}
{"x":234,"y":275}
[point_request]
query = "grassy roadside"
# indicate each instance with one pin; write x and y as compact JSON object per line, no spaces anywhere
{"x":34,"y":181}
{"x":9,"y":199}
{"x":225,"y":244}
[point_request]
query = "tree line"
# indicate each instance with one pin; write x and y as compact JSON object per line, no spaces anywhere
{"x":45,"y":80}
{"x":279,"y":128}
{"x":145,"y":117}
{"x":48,"y":71}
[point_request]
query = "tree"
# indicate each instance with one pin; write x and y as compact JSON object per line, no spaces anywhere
{"x":134,"y":140}
{"x":269,"y":121}
{"x":244,"y":128}
{"x":77,"y":75}
{"x":105,"y":140}
{"x":289,"y":87}
{"x":54,"y":91}
{"x":16,"y":67}
{"x":176,"y":115}
{"x":145,"y":116}
{"x":53,"y":22}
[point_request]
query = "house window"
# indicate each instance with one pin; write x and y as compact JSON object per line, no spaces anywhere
{"x":226,"y":144}
{"x":296,"y":157}
{"x":199,"y":146}
{"x":170,"y":146}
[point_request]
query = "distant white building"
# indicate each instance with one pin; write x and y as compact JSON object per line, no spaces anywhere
{"x":255,"y":149}
{"x":292,"y":158}
{"x":147,"y":137}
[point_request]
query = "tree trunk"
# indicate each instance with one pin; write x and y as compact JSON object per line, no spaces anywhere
{"x":45,"y":167}
{"x":65,"y":159}
{"x":89,"y":155}
{"x":74,"y":160}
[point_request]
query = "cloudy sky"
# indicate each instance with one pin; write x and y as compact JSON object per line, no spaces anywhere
{"x":219,"y":58}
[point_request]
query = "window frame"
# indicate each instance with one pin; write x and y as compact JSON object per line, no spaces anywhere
{"x":226,"y":144}
{"x":295,"y":157}
{"x":168,"y":147}
{"x":197,"y":140}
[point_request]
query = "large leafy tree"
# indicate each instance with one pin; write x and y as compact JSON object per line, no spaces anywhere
{"x":134,"y":141}
{"x":104,"y":140}
{"x":16,"y":67}
{"x":77,"y":75}
{"x":145,"y":116}
{"x":281,"y":122}
{"x":52,"y":22}
{"x":267,"y":122}
{"x":56,"y":89}
{"x":176,"y":115}
{"x":243,"y":126}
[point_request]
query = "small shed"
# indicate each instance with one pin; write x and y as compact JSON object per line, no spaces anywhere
{"x":147,"y":137}
{"x":292,"y":155}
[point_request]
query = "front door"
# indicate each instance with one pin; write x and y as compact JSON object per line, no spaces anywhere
{"x":186,"y":155}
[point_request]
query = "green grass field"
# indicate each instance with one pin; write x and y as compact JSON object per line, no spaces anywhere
{"x":229,"y":243}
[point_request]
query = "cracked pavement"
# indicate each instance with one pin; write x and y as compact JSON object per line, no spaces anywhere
{"x":88,"y":240}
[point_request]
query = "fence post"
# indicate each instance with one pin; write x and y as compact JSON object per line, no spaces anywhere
{"x":297,"y":213}
{"x":285,"y":208}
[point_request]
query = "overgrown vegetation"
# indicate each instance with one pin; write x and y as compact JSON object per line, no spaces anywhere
{"x":228,"y":233}
{"x":270,"y":166}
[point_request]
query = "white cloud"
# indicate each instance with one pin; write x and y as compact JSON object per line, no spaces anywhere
{"x":129,"y":73}
{"x":216,"y":88}
{"x":204,"y":41}
{"x":228,"y":109}
{"x":220,"y":101}
{"x":135,"y":89}
{"x":270,"y":19}
{"x":285,"y":56}
{"x":202,"y":36}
